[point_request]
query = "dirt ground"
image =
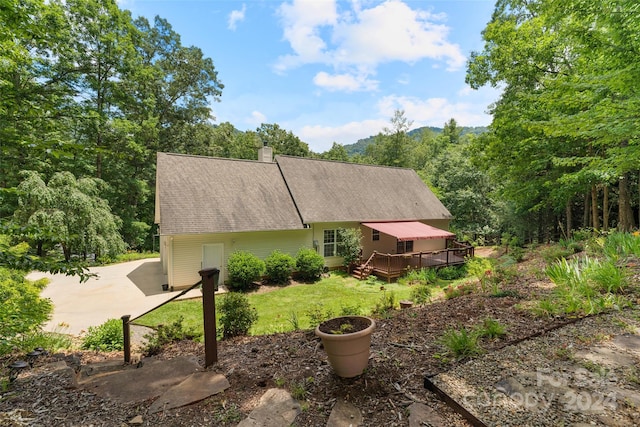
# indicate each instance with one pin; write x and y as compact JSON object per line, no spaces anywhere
{"x":405,"y":347}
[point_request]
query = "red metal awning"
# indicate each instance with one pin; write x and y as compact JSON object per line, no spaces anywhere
{"x":409,"y":230}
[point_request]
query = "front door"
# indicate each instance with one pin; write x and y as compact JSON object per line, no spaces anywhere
{"x":213,"y":256}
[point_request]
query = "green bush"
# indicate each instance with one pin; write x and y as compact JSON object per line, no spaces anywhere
{"x":167,"y":334}
{"x":451,"y":291}
{"x":386,"y":304}
{"x":105,"y":337}
{"x":317,"y":315}
{"x":517,"y":253}
{"x":22,"y":311}
{"x":50,"y":341}
{"x":244,"y":268}
{"x":425,"y":276}
{"x":350,"y":245}
{"x":350,"y":310}
{"x":278,"y":267}
{"x":554,"y":253}
{"x":452,"y":272}
{"x":420,"y":294}
{"x":236,"y":315}
{"x":309,"y":264}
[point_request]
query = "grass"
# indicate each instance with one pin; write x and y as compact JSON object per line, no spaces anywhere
{"x":461,"y":343}
{"x":277,"y":308}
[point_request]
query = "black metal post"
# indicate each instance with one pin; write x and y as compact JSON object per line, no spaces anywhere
{"x":209,"y":284}
{"x":126,"y":331}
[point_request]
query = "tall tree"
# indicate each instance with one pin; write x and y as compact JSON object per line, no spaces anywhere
{"x":556,"y":133}
{"x":282,"y":141}
{"x":71,"y":213}
{"x":393,"y":144}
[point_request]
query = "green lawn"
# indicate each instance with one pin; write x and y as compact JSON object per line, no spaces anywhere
{"x":276,"y":309}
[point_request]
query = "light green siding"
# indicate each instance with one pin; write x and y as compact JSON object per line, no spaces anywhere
{"x":186,"y":259}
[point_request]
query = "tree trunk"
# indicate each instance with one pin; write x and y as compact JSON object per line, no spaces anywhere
{"x":625,"y":214}
{"x":594,"y":208}
{"x":605,"y":207}
{"x":586,"y":219}
{"x":569,"y":219}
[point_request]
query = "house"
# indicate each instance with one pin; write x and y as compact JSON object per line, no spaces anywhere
{"x":208,"y":208}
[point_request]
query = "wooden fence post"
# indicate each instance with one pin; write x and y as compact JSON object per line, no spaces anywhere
{"x":126,"y":332}
{"x":209,"y":284}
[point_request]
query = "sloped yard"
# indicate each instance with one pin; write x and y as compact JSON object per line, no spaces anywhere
{"x":405,"y":348}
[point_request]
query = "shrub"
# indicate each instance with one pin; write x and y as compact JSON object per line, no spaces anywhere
{"x":350,"y":246}
{"x":452,"y":272}
{"x":278,"y":266}
{"x":459,"y":290}
{"x":386,"y":304}
{"x":167,"y":334}
{"x":236,"y":315}
{"x":309,"y":264}
{"x":51,"y":341}
{"x":105,"y":337}
{"x":244,"y":268}
{"x":517,"y":253}
{"x":23,"y":310}
{"x":571,"y":245}
{"x":424,"y":276}
{"x":420,"y":294}
{"x":316,"y":315}
{"x":554,"y":253}
{"x":350,"y":310}
{"x":481,"y":269}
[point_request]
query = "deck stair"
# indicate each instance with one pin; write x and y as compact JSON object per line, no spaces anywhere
{"x":363,"y":271}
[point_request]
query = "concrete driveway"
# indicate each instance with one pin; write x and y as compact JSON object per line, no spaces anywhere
{"x":127,"y":288}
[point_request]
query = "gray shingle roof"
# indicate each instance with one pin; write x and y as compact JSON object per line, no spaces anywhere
{"x":327,"y":191}
{"x":212,"y":195}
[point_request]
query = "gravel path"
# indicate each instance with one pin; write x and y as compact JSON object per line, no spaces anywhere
{"x":583,"y":374}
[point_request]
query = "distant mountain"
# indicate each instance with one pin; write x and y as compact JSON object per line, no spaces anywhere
{"x":360,"y":146}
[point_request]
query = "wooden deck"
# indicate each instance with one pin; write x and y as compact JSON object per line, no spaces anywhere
{"x":392,"y":266}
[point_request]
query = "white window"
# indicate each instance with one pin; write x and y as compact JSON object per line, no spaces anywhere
{"x":330,"y":243}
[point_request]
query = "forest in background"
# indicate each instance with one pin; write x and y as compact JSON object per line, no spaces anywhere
{"x":88,"y":95}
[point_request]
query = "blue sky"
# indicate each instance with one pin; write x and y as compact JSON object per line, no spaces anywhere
{"x":335,"y":70}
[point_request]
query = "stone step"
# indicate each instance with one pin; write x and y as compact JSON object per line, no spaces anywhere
{"x":276,"y":408}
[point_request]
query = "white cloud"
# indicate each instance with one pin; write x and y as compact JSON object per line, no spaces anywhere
{"x":321,"y":138}
{"x":358,"y":40}
{"x":301,"y":21}
{"x":434,"y":111}
{"x":344,"y":82}
{"x":256,"y":119}
{"x":236,"y":16}
{"x":422,"y":112}
{"x":392,"y":31}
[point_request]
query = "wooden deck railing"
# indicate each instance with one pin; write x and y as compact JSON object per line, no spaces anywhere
{"x":392,"y":266}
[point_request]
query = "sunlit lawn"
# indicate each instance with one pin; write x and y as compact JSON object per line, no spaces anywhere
{"x":277,"y":309}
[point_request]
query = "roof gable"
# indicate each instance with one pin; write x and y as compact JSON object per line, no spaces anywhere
{"x":197,"y":194}
{"x":328,"y":191}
